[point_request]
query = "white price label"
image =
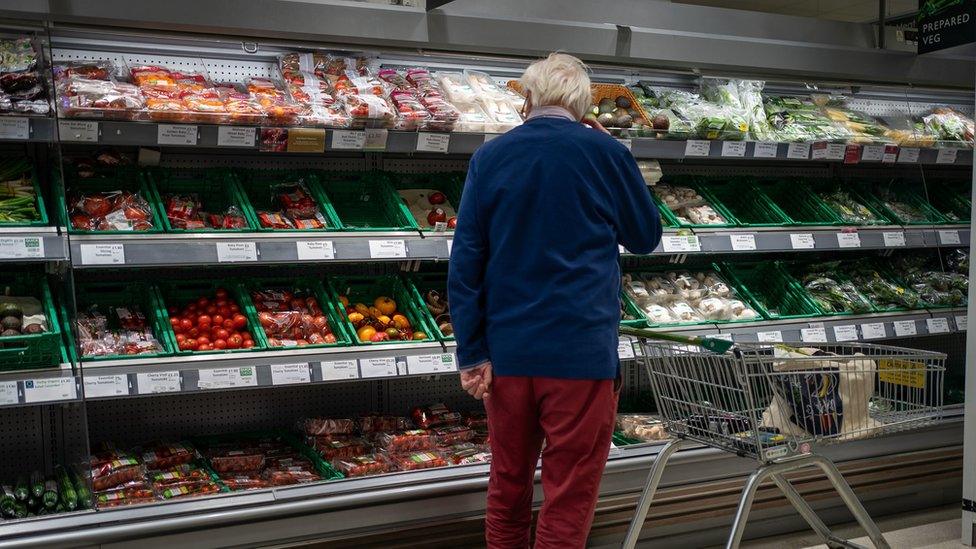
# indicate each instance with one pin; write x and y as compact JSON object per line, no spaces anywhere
{"x":290,"y":374}
{"x":743,"y":242}
{"x":50,"y":389}
{"x":681,"y":244}
{"x":736,"y":149}
{"x":78,"y":130}
{"x":8,"y":393}
{"x":962,"y":321}
{"x":626,"y":143}
{"x":387,"y":249}
{"x":176,"y":134}
{"x":102,"y":254}
{"x":798,"y":151}
{"x":14,"y":128}
{"x":802,"y":241}
{"x":158,"y":382}
{"x":431,"y":364}
{"x":890,"y":154}
{"x":774,"y":336}
{"x":872,"y":153}
{"x":339,"y":369}
{"x":894,"y":239}
{"x":908,"y":156}
{"x":225,"y":378}
{"x":937,"y":325}
{"x":234,"y":252}
{"x":348,"y":139}
{"x":835,"y":151}
{"x":848,"y":240}
{"x":433,"y":142}
{"x":813,"y":335}
{"x":697,"y":147}
{"x":765,"y":149}
{"x":375,"y":139}
{"x":621,"y":249}
{"x":874,"y":330}
{"x":106,"y":386}
{"x":312,"y":250}
{"x":845,"y":333}
{"x":21,"y":247}
{"x":235,"y":136}
{"x":905,"y":328}
{"x":625,"y":348}
{"x":724,"y":337}
{"x":385,"y":366}
{"x":818,"y":151}
{"x":946,"y":156}
{"x":949,"y":237}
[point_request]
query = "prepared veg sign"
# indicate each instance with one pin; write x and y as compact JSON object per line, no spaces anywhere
{"x":945,"y":23}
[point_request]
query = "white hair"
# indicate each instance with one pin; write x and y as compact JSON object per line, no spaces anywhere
{"x":559,"y":80}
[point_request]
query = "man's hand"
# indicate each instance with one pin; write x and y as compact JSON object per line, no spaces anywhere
{"x":596,"y":125}
{"x":477,"y":381}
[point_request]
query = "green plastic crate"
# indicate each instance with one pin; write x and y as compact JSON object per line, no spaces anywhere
{"x":42,"y":350}
{"x":108,"y":295}
{"x":661,"y":270}
{"x":877,"y":193}
{"x":179,"y":293}
{"x":748,"y":204}
{"x":309,"y":286}
{"x":256,"y":187}
{"x":449,"y":183}
{"x":123,"y":179}
{"x":324,"y":468}
{"x":694,"y":183}
{"x":365,"y":290}
{"x":216,"y":189}
{"x":798,"y":269}
{"x":953,"y":206}
{"x":365,"y":201}
{"x":421,"y":283}
{"x":799,"y":203}
{"x":772,"y":291}
{"x":627,"y":305}
{"x":39,"y":196}
{"x":823,"y":187}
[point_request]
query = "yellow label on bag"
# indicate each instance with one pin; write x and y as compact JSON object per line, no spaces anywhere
{"x":902,"y":372}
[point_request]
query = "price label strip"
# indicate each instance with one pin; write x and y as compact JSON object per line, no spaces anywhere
{"x":872,"y":153}
{"x":290,"y":374}
{"x":946,"y":156}
{"x":813,"y":335}
{"x":106,"y":386}
{"x":78,"y":131}
{"x":774,"y":336}
{"x":433,"y":142}
{"x":765,"y":149}
{"x":8,"y":393}
{"x":845,"y":333}
{"x":315,"y":250}
{"x":625,"y":348}
{"x":697,"y":147}
{"x":908,"y":156}
{"x":962,"y":322}
{"x":848,"y":240}
{"x":905,"y":328}
{"x":236,"y":252}
{"x":937,"y":325}
{"x":102,"y":254}
{"x":50,"y":389}
{"x":378,"y":367}
{"x":21,"y":247}
{"x":734,"y":149}
{"x":874,"y":330}
{"x":337,"y":370}
{"x":14,"y":128}
{"x":949,"y":238}
{"x":802,"y":241}
{"x":176,"y":134}
{"x":681,"y":244}
{"x":236,"y":136}
{"x":743,"y":242}
{"x":441,"y":363}
{"x":894,"y":239}
{"x":159,"y":382}
{"x":348,"y":139}
{"x":226,"y":378}
{"x":798,"y":151}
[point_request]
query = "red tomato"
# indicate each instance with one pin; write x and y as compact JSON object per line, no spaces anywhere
{"x":211,"y":310}
{"x":225,"y":311}
{"x":329,"y":338}
{"x":228,"y":324}
{"x":235,"y":341}
{"x":321,"y":323}
{"x":221,"y":293}
{"x":191,"y":343}
{"x":240,"y":321}
{"x":184,"y":346}
{"x":247,"y":344}
{"x":202,"y":347}
{"x":220,"y":302}
{"x":220,"y":344}
{"x":186,"y":324}
{"x":191,"y":307}
{"x":176,"y":324}
{"x":193,"y":332}
{"x":218,"y":320}
{"x":203,"y":340}
{"x":266,"y":320}
{"x":234,"y":308}
{"x":221,"y":333}
{"x":180,"y":338}
{"x":203,"y":319}
{"x":203,"y":302}
{"x":246,"y":336}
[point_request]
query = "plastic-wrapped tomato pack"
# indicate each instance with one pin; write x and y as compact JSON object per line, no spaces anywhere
{"x":367,"y":110}
{"x":443,"y":115}
{"x":434,"y":415}
{"x":180,"y":474}
{"x":210,"y":323}
{"x":195,"y":488}
{"x":340,"y":449}
{"x":367,"y":464}
{"x":407,"y":441}
{"x":227,"y":460}
{"x":140,"y":493}
{"x":452,"y":434}
{"x":328,"y":426}
{"x":418,"y":460}
{"x":123,"y":332}
{"x":298,"y":209}
{"x":244,"y":481}
{"x":273,"y":101}
{"x":112,"y":468}
{"x":292,"y":317}
{"x":89,"y":89}
{"x":477,"y":422}
{"x":249,"y":463}
{"x":109,"y":211}
{"x":467,"y":453}
{"x":185,"y":211}
{"x":166,"y":455}
{"x":375,"y":423}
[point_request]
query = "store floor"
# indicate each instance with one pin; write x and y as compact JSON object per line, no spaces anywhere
{"x":938,"y":528}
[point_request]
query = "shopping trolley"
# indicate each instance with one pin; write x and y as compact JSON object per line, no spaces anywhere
{"x":778,"y":404}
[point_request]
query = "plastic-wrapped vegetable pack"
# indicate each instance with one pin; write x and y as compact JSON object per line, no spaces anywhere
{"x":688,"y":205}
{"x":949,"y":125}
{"x":500,"y":105}
{"x":679,"y":297}
{"x":459,"y":92}
{"x":849,"y":208}
{"x":22,"y":88}
{"x":831,"y":292}
{"x":296,"y":208}
{"x":880,"y":289}
{"x":124,"y":331}
{"x":109,"y":211}
{"x":935,"y":288}
{"x":801,"y":119}
{"x":91,"y":89}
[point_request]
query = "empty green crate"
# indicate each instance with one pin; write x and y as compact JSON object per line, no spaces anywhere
{"x":419,"y":284}
{"x":122,"y":179}
{"x":309,"y":286}
{"x":883,"y":195}
{"x":695,"y":184}
{"x":215,"y":188}
{"x":750,"y":205}
{"x":951,"y":204}
{"x":365,"y":290}
{"x":257,"y":187}
{"x":772,"y":291}
{"x":365,"y":201}
{"x":28,"y":351}
{"x":837,"y":197}
{"x":25,"y":167}
{"x":180,"y":293}
{"x":448,"y":183}
{"x":106,"y":296}
{"x":799,"y":203}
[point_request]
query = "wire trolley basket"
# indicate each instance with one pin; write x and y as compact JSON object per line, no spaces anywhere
{"x":778,"y":403}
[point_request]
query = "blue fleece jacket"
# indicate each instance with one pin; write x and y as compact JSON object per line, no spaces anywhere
{"x":534,"y":277}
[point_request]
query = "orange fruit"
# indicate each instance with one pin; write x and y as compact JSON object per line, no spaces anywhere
{"x":366,"y":333}
{"x":386,"y":305}
{"x":356,"y":318}
{"x":419,"y":335}
{"x":383,"y":319}
{"x":362,"y":309}
{"x":344,"y":300}
{"x":401,"y":322}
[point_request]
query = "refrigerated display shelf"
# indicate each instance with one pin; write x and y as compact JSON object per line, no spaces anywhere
{"x":32,"y":244}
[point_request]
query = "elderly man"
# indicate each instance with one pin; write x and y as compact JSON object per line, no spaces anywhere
{"x":534,"y":289}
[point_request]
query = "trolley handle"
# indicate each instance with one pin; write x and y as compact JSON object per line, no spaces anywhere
{"x":715,"y":345}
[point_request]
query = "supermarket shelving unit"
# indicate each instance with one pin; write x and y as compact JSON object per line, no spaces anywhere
{"x":55,"y":413}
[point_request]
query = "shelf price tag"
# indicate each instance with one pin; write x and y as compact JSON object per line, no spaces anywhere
{"x":832,"y":151}
{"x":348,"y":139}
{"x":948,"y":238}
{"x":681,"y":244}
{"x":440,"y":363}
{"x":21,"y":247}
{"x":312,"y":250}
{"x":14,"y":128}
{"x":904,"y":328}
{"x":339,"y":369}
{"x":78,"y":131}
{"x":225,"y":378}
{"x":106,"y":386}
{"x":894,"y":239}
{"x":890,"y":154}
{"x":802,"y":241}
{"x":743,"y":242}
{"x":872,"y":153}
{"x":697,"y":147}
{"x":962,"y":322}
{"x":818,"y":151}
{"x":236,"y":252}
{"x":375,"y":139}
{"x":874,"y":330}
{"x":176,"y":134}
{"x":736,"y":149}
{"x":384,"y":366}
{"x":845,"y":333}
{"x":908,"y":156}
{"x":723,"y":336}
{"x":236,"y":136}
{"x":765,"y":149}
{"x":158,"y":382}
{"x":798,"y":151}
{"x":774,"y":336}
{"x":946,"y":156}
{"x":625,"y":348}
{"x":50,"y":389}
{"x":813,"y":335}
{"x":102,"y":254}
{"x":8,"y":393}
{"x":937,"y":325}
{"x":387,"y":249}
{"x":290,"y":374}
{"x":848,"y":240}
{"x":433,"y":142}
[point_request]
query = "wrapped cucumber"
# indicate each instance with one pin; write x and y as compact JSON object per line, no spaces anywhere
{"x":20,"y":509}
{"x":69,"y":496}
{"x":21,"y":490}
{"x":49,"y":499}
{"x":7,"y":501}
{"x":36,"y":484}
{"x":83,"y":492}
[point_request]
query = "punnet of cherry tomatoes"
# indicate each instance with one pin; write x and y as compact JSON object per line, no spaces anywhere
{"x":292,"y":318}
{"x":210,"y":323}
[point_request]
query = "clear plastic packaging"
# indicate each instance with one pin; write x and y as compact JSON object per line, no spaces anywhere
{"x":226,"y":460}
{"x":109,"y":211}
{"x":124,"y":332}
{"x":341,"y":449}
{"x":375,"y":423}
{"x":642,"y":427}
{"x":453,"y":434}
{"x":292,"y":317}
{"x":682,"y":296}
{"x":689,"y":206}
{"x":950,"y":125}
{"x":113,"y":468}
{"x":244,"y":481}
{"x":328,"y":426}
{"x":415,"y":461}
{"x":366,"y":110}
{"x":407,"y":441}
{"x":434,"y":415}
{"x":501,"y":106}
{"x":166,"y":455}
{"x":359,"y":466}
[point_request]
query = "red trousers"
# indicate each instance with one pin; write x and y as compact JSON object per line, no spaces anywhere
{"x":576,"y":418}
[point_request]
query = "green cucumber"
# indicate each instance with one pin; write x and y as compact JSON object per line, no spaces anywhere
{"x":84,"y":493}
{"x":21,"y":491}
{"x":37,"y":484}
{"x":69,"y":496}
{"x":7,"y":501}
{"x":20,"y":509}
{"x":50,"y":496}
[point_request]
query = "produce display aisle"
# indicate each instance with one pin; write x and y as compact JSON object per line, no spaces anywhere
{"x":235,"y":264}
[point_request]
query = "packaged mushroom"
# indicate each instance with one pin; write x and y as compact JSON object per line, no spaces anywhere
{"x":688,"y":205}
{"x":684,"y":296}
